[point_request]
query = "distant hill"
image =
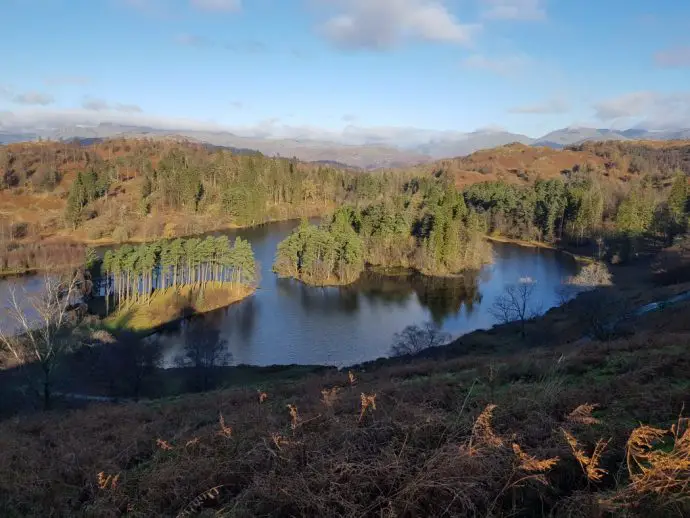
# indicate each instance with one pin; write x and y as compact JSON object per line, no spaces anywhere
{"x":569,"y":136}
{"x":370,"y":153}
{"x":472,"y":142}
{"x":359,"y":156}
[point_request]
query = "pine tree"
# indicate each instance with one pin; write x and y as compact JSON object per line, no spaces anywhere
{"x":75,"y":202}
{"x":677,"y":206}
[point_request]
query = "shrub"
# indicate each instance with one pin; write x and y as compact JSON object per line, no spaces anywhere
{"x":120,"y":234}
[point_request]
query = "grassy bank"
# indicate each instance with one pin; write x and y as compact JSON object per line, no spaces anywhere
{"x":414,"y":438}
{"x":538,"y":244}
{"x":175,"y":304}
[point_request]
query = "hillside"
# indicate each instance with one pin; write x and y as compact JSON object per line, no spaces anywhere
{"x":365,"y":156}
{"x":357,"y":147}
{"x":519,"y":163}
{"x":142,"y":189}
{"x":150,"y":183}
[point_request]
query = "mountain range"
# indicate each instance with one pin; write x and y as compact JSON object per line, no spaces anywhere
{"x":365,"y":153}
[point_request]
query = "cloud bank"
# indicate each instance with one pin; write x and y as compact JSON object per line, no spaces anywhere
{"x":383,"y":24}
{"x":646,"y":109}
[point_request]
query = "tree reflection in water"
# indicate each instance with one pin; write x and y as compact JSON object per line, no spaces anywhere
{"x":444,"y":297}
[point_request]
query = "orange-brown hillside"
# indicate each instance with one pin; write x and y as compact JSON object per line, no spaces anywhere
{"x":519,"y":163}
{"x":35,"y":179}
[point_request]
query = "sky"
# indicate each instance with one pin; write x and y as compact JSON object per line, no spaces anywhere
{"x":327,"y":68}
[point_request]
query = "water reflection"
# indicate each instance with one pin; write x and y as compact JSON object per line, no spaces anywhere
{"x":288,"y":322}
{"x":317,"y":299}
{"x":443,"y":297}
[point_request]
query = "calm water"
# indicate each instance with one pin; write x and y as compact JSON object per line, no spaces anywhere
{"x":288,"y":322}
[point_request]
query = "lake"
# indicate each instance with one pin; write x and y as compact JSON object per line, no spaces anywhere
{"x":288,"y":322}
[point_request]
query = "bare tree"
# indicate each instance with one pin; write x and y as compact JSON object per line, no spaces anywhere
{"x":515,"y":304}
{"x":43,"y":326}
{"x":127,"y":363}
{"x":204,"y":351}
{"x":414,"y":339}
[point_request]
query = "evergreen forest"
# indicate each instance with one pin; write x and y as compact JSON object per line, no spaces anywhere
{"x":133,"y":274}
{"x":428,"y":228}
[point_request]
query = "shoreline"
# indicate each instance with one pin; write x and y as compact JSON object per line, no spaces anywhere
{"x":108,"y":241}
{"x":538,"y":244}
{"x":388,"y":271}
{"x":173,"y":306}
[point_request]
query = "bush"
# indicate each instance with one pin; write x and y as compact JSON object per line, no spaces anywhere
{"x":120,"y":234}
{"x":94,"y":233}
{"x":415,"y":339}
{"x":19,"y":230}
{"x":591,"y":276}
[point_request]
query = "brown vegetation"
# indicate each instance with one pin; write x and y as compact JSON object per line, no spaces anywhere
{"x":612,"y":160}
{"x":28,"y":198}
{"x":554,"y":430}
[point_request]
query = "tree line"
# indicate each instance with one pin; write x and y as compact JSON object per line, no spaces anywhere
{"x":246,"y":188}
{"x":135,"y":273}
{"x":579,"y":209}
{"x":428,"y":228}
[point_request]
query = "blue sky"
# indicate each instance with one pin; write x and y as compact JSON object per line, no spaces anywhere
{"x":321,"y":68}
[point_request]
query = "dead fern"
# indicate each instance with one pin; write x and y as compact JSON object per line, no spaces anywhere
{"x":329,"y":396}
{"x":107,"y":481}
{"x":639,"y":448}
{"x":482,"y":431}
{"x":200,"y":501}
{"x":657,"y":470}
{"x":279,"y":440}
{"x":583,"y":415}
{"x":163,"y":445}
{"x":225,"y":430}
{"x":531,"y":464}
{"x":590,"y":465}
{"x":294,"y":416}
{"x":351,"y":377}
{"x":367,"y":402}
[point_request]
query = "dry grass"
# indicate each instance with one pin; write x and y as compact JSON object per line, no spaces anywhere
{"x":173,"y":304}
{"x":442,"y":440}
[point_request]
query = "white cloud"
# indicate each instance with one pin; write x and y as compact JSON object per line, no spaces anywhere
{"x":41,"y":118}
{"x":101,"y":105}
{"x":381,"y":24}
{"x":35,"y":119}
{"x":505,"y":65}
{"x":678,"y":57}
{"x":648,"y":109}
{"x":529,"y":10}
{"x":550,"y":106}
{"x":33,"y":98}
{"x":127,"y":108}
{"x":95,"y":105}
{"x":218,"y":5}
